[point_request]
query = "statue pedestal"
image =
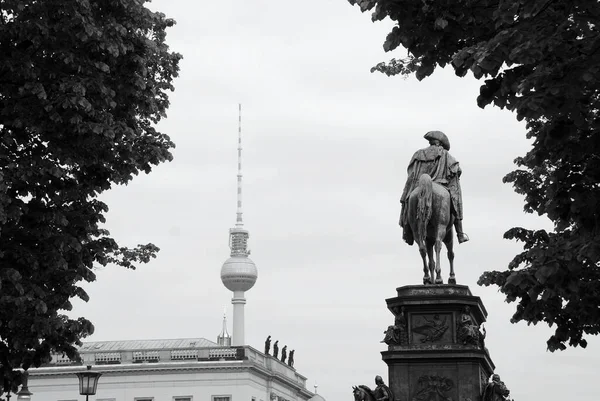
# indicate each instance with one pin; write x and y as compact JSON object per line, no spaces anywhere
{"x":437,"y":352}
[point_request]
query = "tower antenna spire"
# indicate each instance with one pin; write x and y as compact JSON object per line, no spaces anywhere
{"x":238,"y":221}
{"x":238,"y":236}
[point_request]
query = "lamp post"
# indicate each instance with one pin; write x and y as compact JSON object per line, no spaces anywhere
{"x":24,"y":394}
{"x":88,"y":381}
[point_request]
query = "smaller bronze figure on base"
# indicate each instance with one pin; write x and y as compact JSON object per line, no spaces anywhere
{"x":495,"y":390}
{"x":397,"y":334}
{"x":284,"y":353}
{"x":267,"y":345}
{"x":276,"y":349}
{"x":381,"y":392}
{"x":291,"y":358}
{"x":467,"y":332}
{"x":482,"y":335}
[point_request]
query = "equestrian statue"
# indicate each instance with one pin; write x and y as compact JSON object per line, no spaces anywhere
{"x":432,"y":205}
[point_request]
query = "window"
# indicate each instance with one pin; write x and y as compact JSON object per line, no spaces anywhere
{"x":182,"y":398}
{"x":221,"y":398}
{"x":107,"y":358}
{"x":144,"y":399}
{"x":145,"y":356}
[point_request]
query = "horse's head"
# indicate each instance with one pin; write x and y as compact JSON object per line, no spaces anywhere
{"x":358,"y":394}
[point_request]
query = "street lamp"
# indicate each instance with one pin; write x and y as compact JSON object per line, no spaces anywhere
{"x":24,"y":394}
{"x":88,"y":381}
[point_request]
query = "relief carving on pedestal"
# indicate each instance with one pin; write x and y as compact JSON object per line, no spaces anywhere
{"x":431,"y":330}
{"x":433,"y":388}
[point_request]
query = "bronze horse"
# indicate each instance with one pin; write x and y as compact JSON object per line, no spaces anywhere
{"x":430,"y":219}
{"x":362,"y":393}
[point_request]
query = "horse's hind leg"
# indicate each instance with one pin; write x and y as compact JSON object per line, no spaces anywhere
{"x":438,"y":249}
{"x":438,"y":269}
{"x":423,"y":251}
{"x":431,"y":260}
{"x":450,"y":247}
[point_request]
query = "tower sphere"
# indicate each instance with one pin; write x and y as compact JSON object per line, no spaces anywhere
{"x":239,"y":273}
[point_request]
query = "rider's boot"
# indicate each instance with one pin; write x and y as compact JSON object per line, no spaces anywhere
{"x":462,"y":237}
{"x":407,"y":234}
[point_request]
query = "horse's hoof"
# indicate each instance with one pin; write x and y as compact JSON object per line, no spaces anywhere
{"x":439,"y":281}
{"x":451,"y":280}
{"x":426,"y":280}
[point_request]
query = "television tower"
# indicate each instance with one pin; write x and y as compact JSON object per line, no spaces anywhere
{"x":239,"y":272}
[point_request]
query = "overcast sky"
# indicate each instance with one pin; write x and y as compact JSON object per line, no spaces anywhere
{"x":326,"y":144}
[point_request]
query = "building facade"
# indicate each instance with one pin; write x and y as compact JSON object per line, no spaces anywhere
{"x":171,"y":370}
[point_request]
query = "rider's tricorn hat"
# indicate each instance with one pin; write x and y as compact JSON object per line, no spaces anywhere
{"x":440,"y":136}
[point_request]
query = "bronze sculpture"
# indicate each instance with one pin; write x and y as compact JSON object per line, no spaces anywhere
{"x":432,"y":205}
{"x":381,"y":392}
{"x":276,"y":349}
{"x":267,"y":345}
{"x":397,"y":334}
{"x":467,"y":332}
{"x":291,"y":358}
{"x":284,"y":353}
{"x":495,"y":390}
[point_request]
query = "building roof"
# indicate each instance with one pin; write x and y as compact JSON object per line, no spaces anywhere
{"x":127,"y":345}
{"x":316,"y":397}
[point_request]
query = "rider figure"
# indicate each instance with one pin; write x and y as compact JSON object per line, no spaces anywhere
{"x":443,"y":169}
{"x":382,"y":392}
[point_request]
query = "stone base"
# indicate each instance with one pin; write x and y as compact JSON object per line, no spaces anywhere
{"x":438,"y":353}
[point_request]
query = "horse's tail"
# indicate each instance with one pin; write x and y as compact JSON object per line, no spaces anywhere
{"x":424,"y":200}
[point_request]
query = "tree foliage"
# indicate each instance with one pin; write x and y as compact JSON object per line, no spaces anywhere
{"x":82,"y":82}
{"x":541,"y":60}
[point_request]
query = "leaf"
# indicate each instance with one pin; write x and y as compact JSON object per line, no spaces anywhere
{"x":441,"y":23}
{"x":546,"y":272}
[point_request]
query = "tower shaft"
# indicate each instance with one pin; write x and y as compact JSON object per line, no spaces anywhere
{"x":238,"y":301}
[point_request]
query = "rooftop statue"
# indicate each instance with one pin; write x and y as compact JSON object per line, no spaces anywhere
{"x":267,"y":345}
{"x":284,"y":353}
{"x":432,"y":205}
